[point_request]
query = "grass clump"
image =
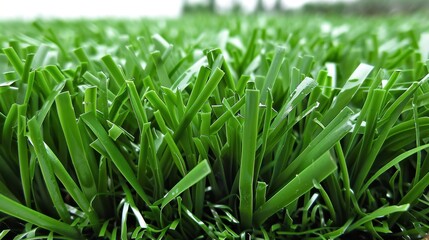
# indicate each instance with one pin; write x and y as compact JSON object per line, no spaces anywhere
{"x":285,"y":129}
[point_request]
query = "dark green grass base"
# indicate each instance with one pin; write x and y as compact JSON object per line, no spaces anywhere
{"x":215,"y":127}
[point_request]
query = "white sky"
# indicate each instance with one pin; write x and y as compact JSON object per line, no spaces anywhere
{"x":29,"y":9}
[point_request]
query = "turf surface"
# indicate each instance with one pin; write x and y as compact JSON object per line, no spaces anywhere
{"x":215,"y":127}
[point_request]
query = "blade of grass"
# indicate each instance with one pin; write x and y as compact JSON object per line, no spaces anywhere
{"x":195,"y":175}
{"x":265,"y":132}
{"x":23,"y":155}
{"x":200,"y":223}
{"x":36,"y":139}
{"x":14,"y":59}
{"x":159,"y":64}
{"x":72,"y":188}
{"x":44,"y":110}
{"x":298,"y":186}
{"x":114,"y":71}
{"x":3,"y":233}
{"x":392,"y":163}
{"x":149,"y":155}
{"x":418,"y":142}
{"x":260,"y":194}
{"x":348,"y":91}
{"x":381,"y":212}
{"x":327,"y":200}
{"x":129,"y":199}
{"x":370,"y":130}
{"x":191,"y":110}
{"x":327,"y":138}
{"x":8,"y":126}
{"x":177,"y":155}
{"x":273,"y":71}
{"x":298,"y":95}
{"x":386,"y":122}
{"x":411,"y":197}
{"x":17,"y":210}
{"x":124,"y":217}
{"x":75,"y":146}
{"x":91,"y":99}
{"x":248,"y":153}
{"x":365,"y":109}
{"x":344,"y":174}
{"x":137,"y":105}
{"x":115,"y":155}
{"x":217,"y":125}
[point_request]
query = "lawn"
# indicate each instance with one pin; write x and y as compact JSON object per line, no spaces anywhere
{"x":215,"y":127}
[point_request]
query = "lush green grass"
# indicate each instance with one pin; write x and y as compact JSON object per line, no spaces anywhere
{"x":215,"y":127}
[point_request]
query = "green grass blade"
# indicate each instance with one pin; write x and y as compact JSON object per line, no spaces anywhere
{"x":91,"y":99}
{"x":23,"y":155}
{"x":124,"y":217}
{"x":115,"y":155}
{"x":194,"y":176}
{"x":248,"y":153}
{"x":148,"y":153}
{"x":44,"y":110}
{"x":17,"y":210}
{"x":200,"y":223}
{"x":72,"y":188}
{"x":157,"y":102}
{"x":75,"y":145}
{"x":265,"y":132}
{"x":137,"y":105}
{"x":348,"y":91}
{"x":3,"y":233}
{"x":329,"y":136}
{"x":36,"y":139}
{"x":56,"y":74}
{"x":298,"y":95}
{"x":413,"y":194}
{"x":390,"y":164}
{"x":298,"y":186}
{"x":381,"y":212}
{"x":344,"y":174}
{"x":129,"y":199}
{"x":8,"y":126}
{"x":370,"y":130}
{"x":217,"y":125}
{"x":273,"y":71}
{"x":327,"y":200}
{"x":116,"y":73}
{"x":177,"y":155}
{"x":191,"y":110}
{"x":15,"y":60}
{"x":260,"y":194}
{"x":386,"y":122}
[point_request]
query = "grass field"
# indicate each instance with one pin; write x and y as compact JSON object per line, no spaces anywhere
{"x":205,"y":127}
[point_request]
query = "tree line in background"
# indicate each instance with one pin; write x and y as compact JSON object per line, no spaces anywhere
{"x":361,"y":7}
{"x":370,"y":7}
{"x":210,"y":6}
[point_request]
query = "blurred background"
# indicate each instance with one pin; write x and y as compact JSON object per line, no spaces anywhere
{"x":30,"y":9}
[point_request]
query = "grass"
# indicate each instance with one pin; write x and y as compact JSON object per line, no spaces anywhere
{"x":254,"y":127}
